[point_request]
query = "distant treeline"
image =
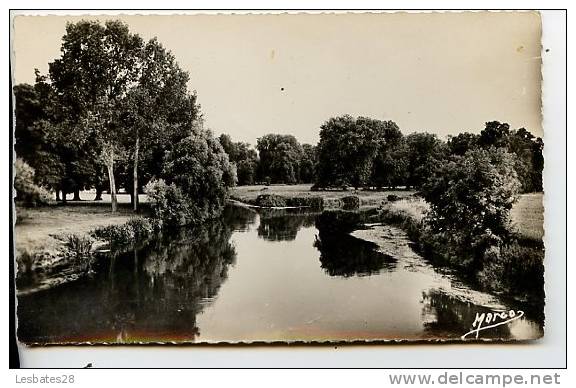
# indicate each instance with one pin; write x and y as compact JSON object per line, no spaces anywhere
{"x":368,"y":153}
{"x":280,"y":159}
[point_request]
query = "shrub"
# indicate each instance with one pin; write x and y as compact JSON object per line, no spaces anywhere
{"x":270,"y":200}
{"x":195,"y":179}
{"x":134,"y":230}
{"x":313,"y":202}
{"x":392,"y":198}
{"x":25,"y":262}
{"x":514,"y":268}
{"x":333,"y":203}
{"x":78,"y":246}
{"x":79,"y":249}
{"x":471,"y":197}
{"x":142,"y":228}
{"x":28,"y":193}
{"x":169,"y":204}
{"x":474,"y":192}
{"x":115,"y":234}
{"x":351,"y":202}
{"x":403,"y":219}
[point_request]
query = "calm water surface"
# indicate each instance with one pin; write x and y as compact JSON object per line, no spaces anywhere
{"x":263,"y":277}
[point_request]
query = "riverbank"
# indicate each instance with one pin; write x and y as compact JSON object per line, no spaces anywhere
{"x":526,"y":216}
{"x":55,"y":244}
{"x":37,"y":228}
{"x":515,"y":268}
{"x":302,"y":193}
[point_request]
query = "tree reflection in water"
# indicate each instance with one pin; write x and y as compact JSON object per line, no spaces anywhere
{"x":152,"y":293}
{"x":344,"y":255}
{"x":239,"y":217}
{"x":445,"y":315}
{"x":283,"y":224}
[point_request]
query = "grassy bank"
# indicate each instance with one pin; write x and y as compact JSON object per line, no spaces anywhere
{"x":527,"y":215}
{"x":55,"y":244}
{"x":515,"y":268}
{"x":331,"y":199}
{"x":37,"y":228}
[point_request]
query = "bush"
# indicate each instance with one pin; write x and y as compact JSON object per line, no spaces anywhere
{"x":134,"y":230}
{"x":333,"y":203}
{"x":169,"y":204}
{"x":473,"y":193}
{"x":78,"y":245}
{"x":79,"y":249}
{"x":401,"y":218}
{"x":25,"y":262}
{"x":514,"y":268}
{"x":115,"y":234}
{"x":143,"y":228}
{"x":195,"y":180}
{"x":270,"y":200}
{"x":313,"y":202}
{"x":392,"y":198}
{"x":28,"y":193}
{"x":471,"y":197}
{"x":351,"y":202}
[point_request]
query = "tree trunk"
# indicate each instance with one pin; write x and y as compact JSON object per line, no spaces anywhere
{"x":98,"y":193}
{"x":113,"y":199}
{"x":58,"y":195}
{"x":76,"y":195}
{"x":63,"y":194}
{"x":135,"y":174}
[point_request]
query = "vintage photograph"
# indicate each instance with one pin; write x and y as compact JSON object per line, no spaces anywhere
{"x":327,"y":177}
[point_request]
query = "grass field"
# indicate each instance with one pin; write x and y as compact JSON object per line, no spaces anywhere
{"x":36,"y":227}
{"x":367,"y":198}
{"x":528,"y":215}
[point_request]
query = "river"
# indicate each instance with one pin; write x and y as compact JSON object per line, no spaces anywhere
{"x":264,"y":277}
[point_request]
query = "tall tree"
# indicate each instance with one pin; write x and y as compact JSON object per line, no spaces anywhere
{"x":462,"y":143}
{"x":98,"y":67}
{"x":424,"y":152}
{"x":32,"y":135}
{"x":308,"y":164}
{"x":243,"y":156}
{"x":279,"y":158}
{"x":495,"y":134}
{"x":527,"y":149}
{"x":389,"y":162}
{"x":159,"y":104}
{"x":347,"y":149}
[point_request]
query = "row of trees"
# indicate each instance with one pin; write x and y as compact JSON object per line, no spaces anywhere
{"x":369,"y":153}
{"x":113,"y":111}
{"x":280,"y":159}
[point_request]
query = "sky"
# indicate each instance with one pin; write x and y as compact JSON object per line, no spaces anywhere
{"x":444,"y":73}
